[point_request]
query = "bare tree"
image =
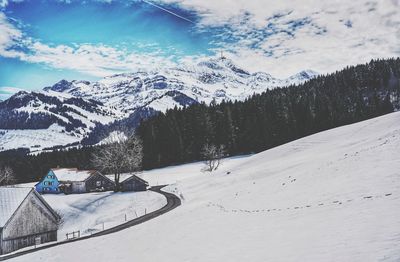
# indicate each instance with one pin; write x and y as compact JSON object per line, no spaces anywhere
{"x":121,"y":152}
{"x":7,"y":176}
{"x":213,"y":155}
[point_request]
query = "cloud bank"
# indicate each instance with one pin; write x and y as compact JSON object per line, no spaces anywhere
{"x":279,"y":37}
{"x":283,"y":37}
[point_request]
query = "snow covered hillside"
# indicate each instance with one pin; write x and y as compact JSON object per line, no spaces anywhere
{"x":333,"y":196}
{"x":89,"y":212}
{"x":38,"y":120}
{"x":69,"y":111}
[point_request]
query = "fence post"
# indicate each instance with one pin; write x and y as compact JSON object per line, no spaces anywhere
{"x":136,"y":213}
{"x":145,"y":211}
{"x":103,"y":226}
{"x":125,"y":217}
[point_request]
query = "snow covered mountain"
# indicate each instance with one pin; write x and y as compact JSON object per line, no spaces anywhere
{"x":216,"y":79}
{"x":67,"y":112}
{"x":335,"y":197}
{"x":39,"y":120}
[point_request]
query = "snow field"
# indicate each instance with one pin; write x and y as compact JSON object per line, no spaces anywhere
{"x":88,"y":213}
{"x":333,"y":196}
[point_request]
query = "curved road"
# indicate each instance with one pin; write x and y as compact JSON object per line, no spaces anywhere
{"x":172,"y":202}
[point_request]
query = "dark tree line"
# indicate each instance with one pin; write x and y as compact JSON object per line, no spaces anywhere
{"x":274,"y":117}
{"x":261,"y":122}
{"x":30,"y":168}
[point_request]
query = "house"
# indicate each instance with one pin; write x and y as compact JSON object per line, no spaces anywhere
{"x":73,"y":181}
{"x":25,"y":219}
{"x":134,"y":183}
{"x":129,"y":182}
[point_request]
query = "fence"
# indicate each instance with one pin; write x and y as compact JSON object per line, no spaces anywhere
{"x":105,"y":225}
{"x":73,"y":235}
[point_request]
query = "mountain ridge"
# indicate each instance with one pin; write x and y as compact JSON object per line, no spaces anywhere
{"x":75,"y":108}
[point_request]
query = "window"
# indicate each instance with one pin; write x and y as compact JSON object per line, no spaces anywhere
{"x":98,"y":183}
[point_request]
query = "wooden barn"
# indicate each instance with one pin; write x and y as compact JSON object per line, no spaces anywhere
{"x":134,"y":183}
{"x":129,"y":182}
{"x":25,"y":219}
{"x":74,"y":181}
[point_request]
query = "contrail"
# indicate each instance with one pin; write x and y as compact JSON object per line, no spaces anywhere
{"x":170,"y":12}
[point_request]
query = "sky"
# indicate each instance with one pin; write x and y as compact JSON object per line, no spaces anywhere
{"x":44,"y":41}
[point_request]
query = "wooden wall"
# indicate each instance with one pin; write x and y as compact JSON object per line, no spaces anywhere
{"x":32,"y":219}
{"x":78,"y":187}
{"x":133,"y":184}
{"x":92,"y":183}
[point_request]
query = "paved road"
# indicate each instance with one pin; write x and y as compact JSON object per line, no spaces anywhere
{"x":172,"y":202}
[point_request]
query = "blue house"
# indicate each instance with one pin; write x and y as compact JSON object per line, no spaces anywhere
{"x":73,"y":181}
{"x":49,"y":184}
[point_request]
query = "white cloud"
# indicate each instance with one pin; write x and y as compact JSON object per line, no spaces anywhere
{"x":279,"y":37}
{"x":9,"y":34}
{"x":96,"y":60}
{"x":4,"y":3}
{"x":335,"y":33}
{"x":10,"y":89}
{"x":7,"y":91}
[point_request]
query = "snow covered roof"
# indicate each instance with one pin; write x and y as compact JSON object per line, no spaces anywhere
{"x":10,"y":199}
{"x":72,"y":174}
{"x":124,"y":177}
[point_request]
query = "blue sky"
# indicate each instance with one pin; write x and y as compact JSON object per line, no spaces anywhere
{"x":43,"y":41}
{"x":132,"y":27}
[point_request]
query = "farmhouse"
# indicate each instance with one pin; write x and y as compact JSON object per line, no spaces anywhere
{"x":73,"y":181}
{"x":25,"y":219}
{"x":129,"y":182}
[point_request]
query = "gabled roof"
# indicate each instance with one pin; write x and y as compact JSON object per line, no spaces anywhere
{"x":10,"y":199}
{"x":122,"y":177}
{"x":125,"y":177}
{"x":72,"y":174}
{"x":137,"y":178}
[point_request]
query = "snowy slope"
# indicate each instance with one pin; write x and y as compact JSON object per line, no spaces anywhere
{"x":333,"y":196}
{"x":89,"y":212}
{"x":38,"y":120}
{"x":36,"y":139}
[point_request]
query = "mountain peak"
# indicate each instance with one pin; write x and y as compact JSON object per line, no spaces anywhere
{"x":307,"y":74}
{"x":302,"y":77}
{"x":60,"y":86}
{"x":222,"y":62}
